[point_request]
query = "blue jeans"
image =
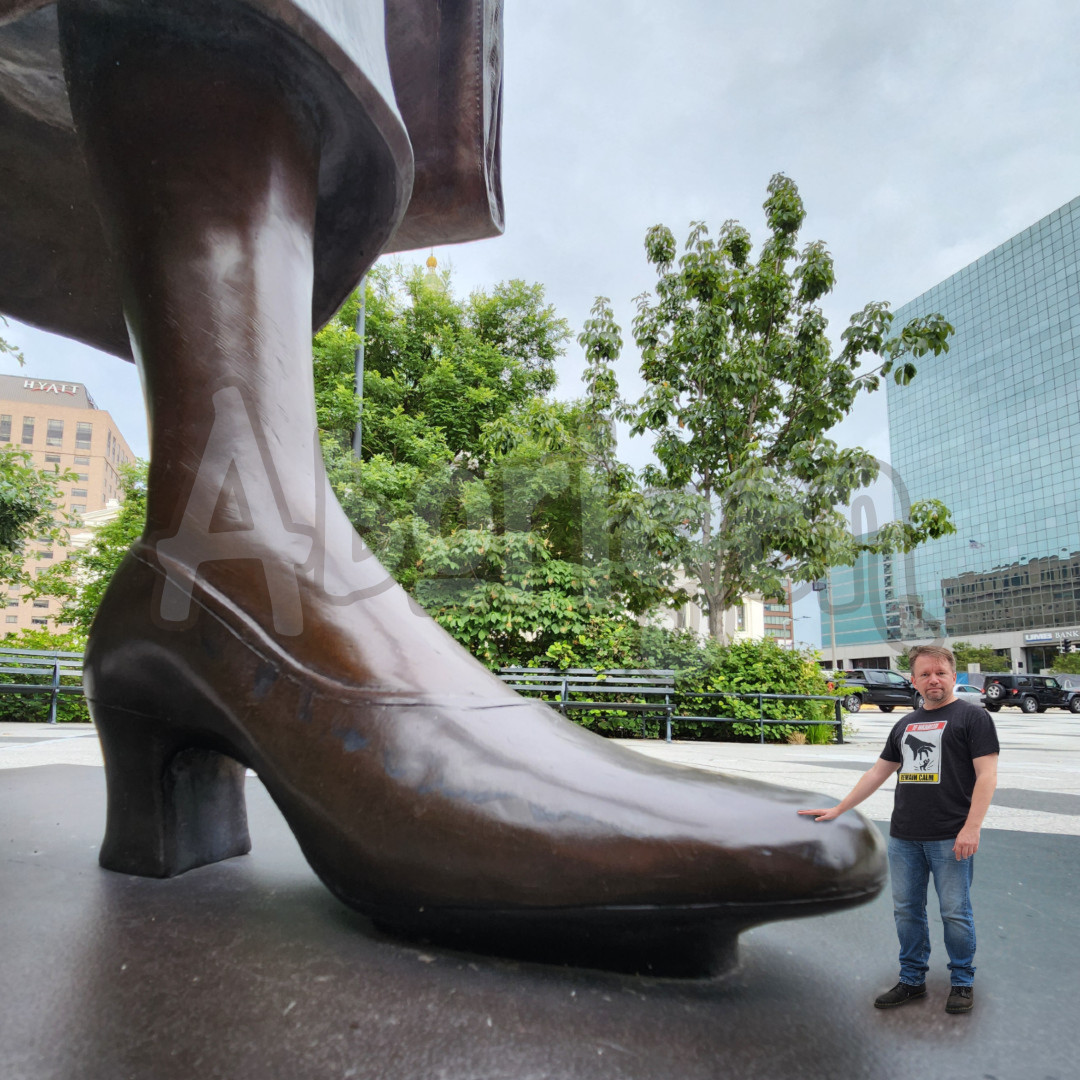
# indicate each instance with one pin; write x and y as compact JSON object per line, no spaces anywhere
{"x":911,"y":862}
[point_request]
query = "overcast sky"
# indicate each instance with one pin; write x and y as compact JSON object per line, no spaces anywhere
{"x":921,"y":135}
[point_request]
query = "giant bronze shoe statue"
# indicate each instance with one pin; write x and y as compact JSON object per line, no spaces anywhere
{"x":213,"y":174}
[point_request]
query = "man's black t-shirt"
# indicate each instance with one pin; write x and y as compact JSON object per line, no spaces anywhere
{"x":935,"y":748}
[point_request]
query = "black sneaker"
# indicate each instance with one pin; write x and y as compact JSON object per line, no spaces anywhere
{"x":961,"y":999}
{"x":902,"y":993}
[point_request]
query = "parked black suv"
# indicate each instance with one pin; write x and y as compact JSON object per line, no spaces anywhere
{"x":1071,"y":686}
{"x":1033,"y":693}
{"x":878,"y":686}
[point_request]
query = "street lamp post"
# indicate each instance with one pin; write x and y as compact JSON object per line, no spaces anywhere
{"x":794,"y":635}
{"x":832,"y":620}
{"x":824,"y":585}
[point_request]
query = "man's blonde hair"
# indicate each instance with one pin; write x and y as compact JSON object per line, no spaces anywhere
{"x":935,"y":652}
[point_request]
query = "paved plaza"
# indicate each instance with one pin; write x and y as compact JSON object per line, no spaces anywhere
{"x":1038,"y":773}
{"x":250,"y":968}
{"x":1038,"y":777}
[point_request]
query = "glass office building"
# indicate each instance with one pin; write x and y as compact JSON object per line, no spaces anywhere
{"x":992,"y":429}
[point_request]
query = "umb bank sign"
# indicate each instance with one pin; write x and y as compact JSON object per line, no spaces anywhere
{"x":1044,"y":636}
{"x":52,"y":387}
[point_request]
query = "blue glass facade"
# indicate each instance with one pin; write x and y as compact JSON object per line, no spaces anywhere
{"x":992,"y":429}
{"x":858,"y":603}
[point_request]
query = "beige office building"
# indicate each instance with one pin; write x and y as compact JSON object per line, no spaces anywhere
{"x":59,"y":424}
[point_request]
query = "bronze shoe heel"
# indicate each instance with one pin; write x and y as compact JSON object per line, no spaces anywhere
{"x":173,"y":805}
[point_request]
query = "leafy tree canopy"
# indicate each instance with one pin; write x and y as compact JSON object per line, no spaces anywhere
{"x":28,"y":499}
{"x":436,"y":369}
{"x":28,"y":511}
{"x":7,"y":349}
{"x":965,"y":653}
{"x":504,"y":511}
{"x":1067,"y":664}
{"x":742,"y":387}
{"x":80,"y":580}
{"x":541,"y":546}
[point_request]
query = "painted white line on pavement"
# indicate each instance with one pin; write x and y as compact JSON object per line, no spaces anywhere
{"x":65,"y":751}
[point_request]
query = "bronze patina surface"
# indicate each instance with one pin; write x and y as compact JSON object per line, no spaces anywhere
{"x":246,"y":165}
{"x":432,"y":94}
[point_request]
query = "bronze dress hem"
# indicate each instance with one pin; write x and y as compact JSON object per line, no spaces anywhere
{"x":408,"y":108}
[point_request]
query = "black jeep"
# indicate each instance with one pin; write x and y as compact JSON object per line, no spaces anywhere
{"x":1032,"y":693}
{"x":878,"y":686}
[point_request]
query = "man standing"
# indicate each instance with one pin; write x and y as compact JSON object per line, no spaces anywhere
{"x":947,"y":753}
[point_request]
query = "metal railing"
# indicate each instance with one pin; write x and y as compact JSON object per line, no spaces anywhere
{"x":762,"y":719}
{"x":51,"y":668}
{"x":662,"y":702}
{"x":644,"y":693}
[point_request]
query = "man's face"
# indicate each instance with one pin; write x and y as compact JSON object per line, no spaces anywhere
{"x":934,"y":679}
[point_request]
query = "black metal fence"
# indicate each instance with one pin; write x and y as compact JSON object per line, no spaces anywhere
{"x":837,"y":720}
{"x":639,"y":693}
{"x":41,"y":672}
{"x":650,"y":695}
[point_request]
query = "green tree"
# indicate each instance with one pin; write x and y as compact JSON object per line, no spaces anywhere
{"x":29,"y":498}
{"x":742,"y":386}
{"x":437,"y":371}
{"x":515,"y":319}
{"x":433,"y":362}
{"x":538,"y":551}
{"x":80,"y":580}
{"x":7,"y":349}
{"x":503,"y":511}
{"x":967,"y":653}
{"x":28,"y":501}
{"x":1066,"y":664}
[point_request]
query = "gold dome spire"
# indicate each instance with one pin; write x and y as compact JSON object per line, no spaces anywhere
{"x":431,"y":278}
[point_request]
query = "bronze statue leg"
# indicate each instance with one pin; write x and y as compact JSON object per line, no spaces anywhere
{"x":208,"y":187}
{"x":251,"y":626}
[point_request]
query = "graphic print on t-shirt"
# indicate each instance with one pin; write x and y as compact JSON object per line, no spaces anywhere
{"x":921,"y":747}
